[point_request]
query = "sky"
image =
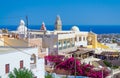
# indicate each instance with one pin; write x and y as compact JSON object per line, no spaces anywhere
{"x":72,"y":12}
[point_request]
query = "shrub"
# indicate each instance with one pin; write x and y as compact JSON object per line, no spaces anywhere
{"x":81,"y":69}
{"x":48,"y":76}
{"x":21,"y":73}
{"x":108,"y":64}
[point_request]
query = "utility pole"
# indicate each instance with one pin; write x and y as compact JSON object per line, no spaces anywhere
{"x":27,"y":25}
{"x":112,"y":71}
{"x":27,"y":29}
{"x":102,"y":73}
{"x":75,"y":64}
{"x":27,"y":21}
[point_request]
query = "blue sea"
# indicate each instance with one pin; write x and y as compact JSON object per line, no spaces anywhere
{"x":99,"y":29}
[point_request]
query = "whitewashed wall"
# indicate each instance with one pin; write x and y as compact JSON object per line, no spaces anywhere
{"x":1,"y":41}
{"x":14,"y":58}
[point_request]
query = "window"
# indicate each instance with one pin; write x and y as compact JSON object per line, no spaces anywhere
{"x":83,"y":38}
{"x":21,"y":64}
{"x":64,"y":42}
{"x":7,"y":68}
{"x":59,"y":43}
{"x":79,"y":38}
{"x":33,"y":59}
{"x":75,"y":38}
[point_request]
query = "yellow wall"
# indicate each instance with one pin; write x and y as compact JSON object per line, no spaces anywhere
{"x":95,"y":43}
{"x":94,"y":40}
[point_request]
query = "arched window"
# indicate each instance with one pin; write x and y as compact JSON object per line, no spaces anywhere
{"x":33,"y":59}
{"x":83,"y":38}
{"x":79,"y":38}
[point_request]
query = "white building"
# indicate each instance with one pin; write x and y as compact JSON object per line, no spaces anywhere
{"x":22,"y":29}
{"x":61,"y":41}
{"x":11,"y":58}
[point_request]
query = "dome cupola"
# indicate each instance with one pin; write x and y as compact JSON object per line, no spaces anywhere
{"x":22,"y":29}
{"x":75,"y":28}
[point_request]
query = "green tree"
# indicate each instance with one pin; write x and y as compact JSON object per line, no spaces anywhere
{"x":48,"y":76}
{"x":21,"y":73}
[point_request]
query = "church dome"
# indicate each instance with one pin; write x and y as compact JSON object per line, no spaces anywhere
{"x":22,"y":29}
{"x":22,"y":22}
{"x":75,"y":28}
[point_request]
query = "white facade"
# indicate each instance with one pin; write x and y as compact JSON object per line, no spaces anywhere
{"x":81,"y":39}
{"x":14,"y":56}
{"x":62,"y":41}
{"x":1,"y":41}
{"x":113,"y":46}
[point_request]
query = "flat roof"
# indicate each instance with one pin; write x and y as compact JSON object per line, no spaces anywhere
{"x":5,"y":50}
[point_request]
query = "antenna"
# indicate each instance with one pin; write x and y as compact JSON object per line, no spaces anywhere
{"x":27,"y":21}
{"x":27,"y":25}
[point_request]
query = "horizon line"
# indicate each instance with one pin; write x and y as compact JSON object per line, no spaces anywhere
{"x":67,"y":24}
